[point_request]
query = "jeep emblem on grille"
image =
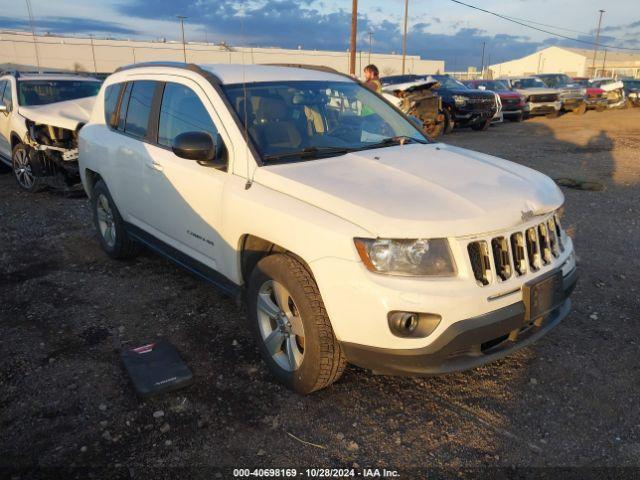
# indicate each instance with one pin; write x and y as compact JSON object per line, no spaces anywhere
{"x":527,"y":215}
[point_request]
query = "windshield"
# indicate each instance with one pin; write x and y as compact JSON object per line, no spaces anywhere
{"x":43,"y":92}
{"x":632,"y":83}
{"x":529,"y":83}
{"x":556,"y":80}
{"x":493,"y":85}
{"x":302,"y":120}
{"x":448,"y":82}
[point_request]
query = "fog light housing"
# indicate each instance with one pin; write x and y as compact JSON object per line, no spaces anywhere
{"x":412,"y":324}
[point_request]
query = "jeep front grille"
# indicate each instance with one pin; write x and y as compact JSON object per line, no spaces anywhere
{"x":520,"y":252}
{"x":480,"y":263}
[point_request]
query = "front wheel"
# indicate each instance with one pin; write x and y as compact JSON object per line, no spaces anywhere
{"x":291,"y":325}
{"x":481,"y":126}
{"x":23,"y":169}
{"x":581,"y":110}
{"x":553,"y":114}
{"x":449,"y":123}
{"x":113,"y":236}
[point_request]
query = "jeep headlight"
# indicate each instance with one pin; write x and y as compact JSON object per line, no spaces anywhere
{"x":419,"y":257}
{"x":460,"y":100}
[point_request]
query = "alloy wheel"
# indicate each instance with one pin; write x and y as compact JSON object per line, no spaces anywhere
{"x":280,"y":325}
{"x":22,"y":169}
{"x":106,"y":222}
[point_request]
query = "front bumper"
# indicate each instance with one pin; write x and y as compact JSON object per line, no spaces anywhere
{"x":465,"y":344}
{"x":542,"y":108}
{"x":595,"y":102}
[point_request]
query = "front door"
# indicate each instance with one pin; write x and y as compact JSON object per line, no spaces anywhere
{"x":184,"y":198}
{"x":5,"y":119}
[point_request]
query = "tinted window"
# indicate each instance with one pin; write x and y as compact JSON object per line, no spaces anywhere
{"x":182,"y":111}
{"x":140,"y":99}
{"x":7,"y":99}
{"x":111,"y":95}
{"x":43,"y":92}
{"x":2,"y":85}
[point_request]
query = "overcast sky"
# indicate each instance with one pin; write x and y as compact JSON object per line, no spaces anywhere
{"x":438,"y":29}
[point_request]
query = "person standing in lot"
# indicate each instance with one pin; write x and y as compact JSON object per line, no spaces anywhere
{"x":372,"y":78}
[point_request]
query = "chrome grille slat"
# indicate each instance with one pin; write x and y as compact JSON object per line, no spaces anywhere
{"x":496,"y":257}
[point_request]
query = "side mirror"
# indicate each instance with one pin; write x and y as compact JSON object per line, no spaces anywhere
{"x":3,"y":108}
{"x":481,"y":87}
{"x":199,"y":146}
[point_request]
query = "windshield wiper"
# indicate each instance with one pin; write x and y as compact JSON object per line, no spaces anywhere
{"x":387,"y":142}
{"x":309,"y":152}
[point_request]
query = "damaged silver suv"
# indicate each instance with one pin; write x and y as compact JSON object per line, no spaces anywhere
{"x":40,"y":116}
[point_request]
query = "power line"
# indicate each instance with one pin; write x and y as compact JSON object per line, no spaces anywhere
{"x":547,"y":25}
{"x":509,"y":19}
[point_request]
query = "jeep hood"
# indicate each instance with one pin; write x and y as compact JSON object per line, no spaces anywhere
{"x":67,"y":114}
{"x":416,"y":190}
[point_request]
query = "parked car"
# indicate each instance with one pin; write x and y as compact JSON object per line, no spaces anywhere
{"x":40,"y":115}
{"x":596,"y":97}
{"x":539,"y":99}
{"x":350,"y":235}
{"x":632,"y":91}
{"x":398,"y":79}
{"x":417,"y":99}
{"x":512,"y":102}
{"x":572,"y":95}
{"x":464,"y":106}
{"x":614,"y":90}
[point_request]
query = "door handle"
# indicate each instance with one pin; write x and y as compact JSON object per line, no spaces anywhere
{"x":155,"y":165}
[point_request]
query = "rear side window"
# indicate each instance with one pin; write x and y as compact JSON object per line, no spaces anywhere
{"x":111,"y":97}
{"x":3,"y":84}
{"x":182,"y":111}
{"x":139,"y":108}
{"x":7,"y":99}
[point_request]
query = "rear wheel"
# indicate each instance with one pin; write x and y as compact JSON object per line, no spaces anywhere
{"x":291,"y":325}
{"x":23,"y":169}
{"x":449,"y":124}
{"x":111,"y":231}
{"x":517,"y":118}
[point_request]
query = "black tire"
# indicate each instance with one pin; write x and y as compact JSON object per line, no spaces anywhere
{"x":23,"y":171}
{"x":516,"y":118}
{"x":449,"y":124}
{"x":122,"y":246}
{"x":323,"y":361}
{"x":481,"y":126}
{"x":554,"y":114}
{"x":581,"y":110}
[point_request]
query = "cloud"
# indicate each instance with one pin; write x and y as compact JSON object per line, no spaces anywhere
{"x":66,"y":25}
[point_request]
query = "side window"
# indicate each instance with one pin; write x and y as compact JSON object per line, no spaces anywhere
{"x":182,"y":111}
{"x":139,"y":108}
{"x":123,"y":106}
{"x":111,"y":96}
{"x":3,"y":84}
{"x":8,"y":97}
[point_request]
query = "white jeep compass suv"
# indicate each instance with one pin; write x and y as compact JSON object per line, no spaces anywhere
{"x":351,"y":236}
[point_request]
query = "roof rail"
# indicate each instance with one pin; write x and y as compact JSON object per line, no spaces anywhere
{"x":13,"y":73}
{"x":154,"y":64}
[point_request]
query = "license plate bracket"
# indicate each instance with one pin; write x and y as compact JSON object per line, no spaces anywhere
{"x":543,"y":295}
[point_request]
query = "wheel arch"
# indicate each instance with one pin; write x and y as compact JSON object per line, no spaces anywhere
{"x":253,"y":248}
{"x":91,"y":178}
{"x":15,"y":140}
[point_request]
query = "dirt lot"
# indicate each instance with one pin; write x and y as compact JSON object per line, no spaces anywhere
{"x":66,"y":310}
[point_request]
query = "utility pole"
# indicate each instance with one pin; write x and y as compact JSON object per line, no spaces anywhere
{"x":595,"y":47}
{"x":404,"y":34}
{"x":93,"y":55}
{"x":352,"y":40}
{"x":370,"y":35}
{"x":184,"y":45}
{"x":482,"y":65}
{"x":33,"y":32}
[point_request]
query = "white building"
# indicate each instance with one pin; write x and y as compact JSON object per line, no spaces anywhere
{"x":18,"y":51}
{"x":575,"y":62}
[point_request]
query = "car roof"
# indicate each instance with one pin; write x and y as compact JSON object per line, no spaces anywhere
{"x":228,"y":73}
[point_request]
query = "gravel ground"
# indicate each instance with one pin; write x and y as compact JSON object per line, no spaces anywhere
{"x":66,"y":310}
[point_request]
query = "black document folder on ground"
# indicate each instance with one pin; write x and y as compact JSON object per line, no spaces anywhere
{"x":156,"y":368}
